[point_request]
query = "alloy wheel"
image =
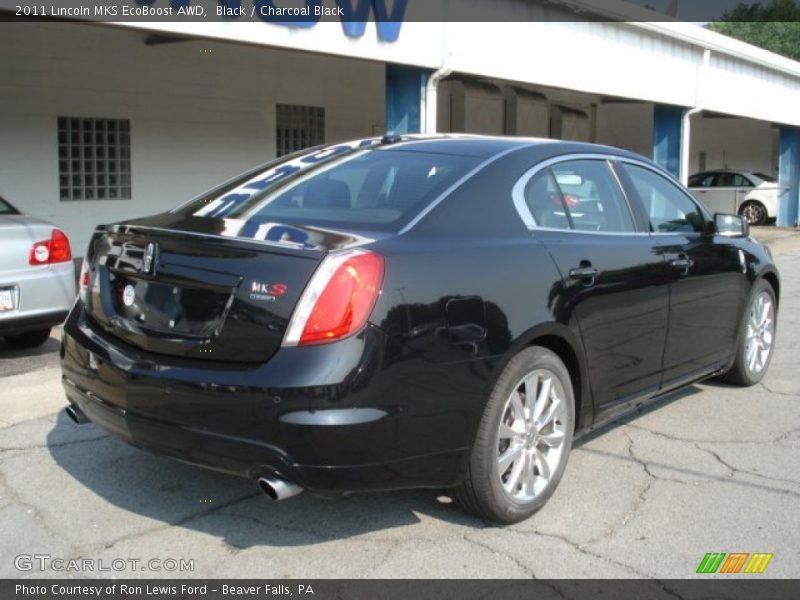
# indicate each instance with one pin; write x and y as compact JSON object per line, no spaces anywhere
{"x":760,"y":333}
{"x":531,"y":435}
{"x":754,"y":213}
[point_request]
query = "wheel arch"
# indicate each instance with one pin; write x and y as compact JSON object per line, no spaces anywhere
{"x":560,"y":340}
{"x":771,"y":277}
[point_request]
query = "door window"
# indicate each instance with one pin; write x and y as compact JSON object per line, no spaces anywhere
{"x":702,"y":180}
{"x":668,"y":208}
{"x":545,"y":203}
{"x":581,"y":195}
{"x":731,"y":180}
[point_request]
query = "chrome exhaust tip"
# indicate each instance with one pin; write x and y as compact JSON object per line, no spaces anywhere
{"x":76,"y":414}
{"x":278,"y":489}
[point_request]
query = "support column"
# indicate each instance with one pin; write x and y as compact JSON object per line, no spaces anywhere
{"x":667,"y":130}
{"x":789,"y":177}
{"x":405,"y":98}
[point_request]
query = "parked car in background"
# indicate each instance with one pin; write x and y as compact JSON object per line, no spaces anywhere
{"x":37,"y":277}
{"x":754,"y":196}
{"x":413,"y":312}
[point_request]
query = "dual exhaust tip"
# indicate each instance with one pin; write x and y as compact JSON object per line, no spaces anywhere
{"x":76,"y":414}
{"x":278,"y":489}
{"x":273,"y":487}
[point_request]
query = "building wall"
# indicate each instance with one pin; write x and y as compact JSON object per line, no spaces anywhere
{"x":548,"y":44}
{"x":626,"y":125}
{"x":734,"y":144}
{"x":200,"y":112}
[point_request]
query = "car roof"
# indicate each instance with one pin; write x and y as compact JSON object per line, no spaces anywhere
{"x":487,"y":146}
{"x":714,"y":171}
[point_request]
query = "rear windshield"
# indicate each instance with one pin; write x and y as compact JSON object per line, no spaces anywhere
{"x":372,"y":189}
{"x":767,"y":178}
{"x":7,"y":209}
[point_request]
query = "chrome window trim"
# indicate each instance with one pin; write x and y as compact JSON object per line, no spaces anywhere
{"x":518,"y":193}
{"x":438,"y":200}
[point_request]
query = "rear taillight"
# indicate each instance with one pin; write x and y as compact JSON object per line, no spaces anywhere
{"x":338,"y":300}
{"x":54,"y":250}
{"x":83,"y":281}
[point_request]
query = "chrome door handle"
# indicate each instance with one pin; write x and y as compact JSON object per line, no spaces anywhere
{"x":584,"y":273}
{"x":682,"y":264}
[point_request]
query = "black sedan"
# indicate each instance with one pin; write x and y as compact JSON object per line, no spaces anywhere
{"x":414,"y":312}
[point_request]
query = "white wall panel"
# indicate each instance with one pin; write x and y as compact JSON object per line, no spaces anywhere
{"x":197,"y":118}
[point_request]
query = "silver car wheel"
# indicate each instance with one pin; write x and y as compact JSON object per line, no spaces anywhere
{"x":760,"y":333}
{"x":754,"y":213}
{"x":530,"y":436}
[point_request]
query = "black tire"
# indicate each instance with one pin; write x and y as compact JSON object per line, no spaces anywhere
{"x":754,"y":212}
{"x":29,"y":339}
{"x":740,"y":373}
{"x":482,"y":491}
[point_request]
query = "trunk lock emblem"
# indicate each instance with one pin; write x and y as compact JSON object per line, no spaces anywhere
{"x":128,"y":295}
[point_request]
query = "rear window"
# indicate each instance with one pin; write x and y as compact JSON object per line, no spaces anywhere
{"x":378,"y":189}
{"x":7,"y":209}
{"x":765,"y":177}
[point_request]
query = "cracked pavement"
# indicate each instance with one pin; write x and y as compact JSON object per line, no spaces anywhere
{"x":711,"y":469}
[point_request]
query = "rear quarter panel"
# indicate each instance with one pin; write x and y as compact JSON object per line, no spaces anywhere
{"x":40,"y":288}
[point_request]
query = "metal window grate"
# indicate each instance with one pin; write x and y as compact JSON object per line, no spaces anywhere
{"x":94,"y":159}
{"x":298,"y":127}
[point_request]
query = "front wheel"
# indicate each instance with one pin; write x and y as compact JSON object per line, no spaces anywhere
{"x":523,"y":440}
{"x":754,"y":348}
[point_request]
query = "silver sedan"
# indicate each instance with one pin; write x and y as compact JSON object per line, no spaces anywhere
{"x":37,"y":277}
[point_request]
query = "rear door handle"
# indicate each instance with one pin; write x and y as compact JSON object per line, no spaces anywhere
{"x":584,"y":273}
{"x":681,"y":264}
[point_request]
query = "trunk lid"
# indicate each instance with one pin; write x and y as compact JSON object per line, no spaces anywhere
{"x":209,"y":289}
{"x":19,"y":233}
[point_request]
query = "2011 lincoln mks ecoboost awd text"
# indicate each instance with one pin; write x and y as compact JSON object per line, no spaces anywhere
{"x":413,"y":312}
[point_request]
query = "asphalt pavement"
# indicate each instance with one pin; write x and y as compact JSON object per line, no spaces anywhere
{"x":712,"y":469}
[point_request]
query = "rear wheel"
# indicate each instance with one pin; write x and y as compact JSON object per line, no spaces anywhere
{"x":754,"y":349}
{"x":753,"y":212}
{"x":523,"y":440}
{"x":29,"y":339}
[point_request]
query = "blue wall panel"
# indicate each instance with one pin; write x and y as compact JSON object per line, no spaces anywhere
{"x":405,"y":87}
{"x":667,"y":126}
{"x":789,"y":177}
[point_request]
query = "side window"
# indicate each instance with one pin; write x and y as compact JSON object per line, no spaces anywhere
{"x":742,"y":181}
{"x":593,"y":199}
{"x":668,"y":207}
{"x":543,"y":199}
{"x":725,"y":180}
{"x":703,"y":180}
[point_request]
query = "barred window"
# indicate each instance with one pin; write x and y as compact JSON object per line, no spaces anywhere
{"x":94,"y":159}
{"x":298,"y":127}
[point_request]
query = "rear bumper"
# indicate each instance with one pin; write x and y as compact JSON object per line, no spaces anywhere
{"x":44,"y":295}
{"x":321,"y":417}
{"x":23,"y":323}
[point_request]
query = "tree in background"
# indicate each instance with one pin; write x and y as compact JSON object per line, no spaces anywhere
{"x":774,"y":26}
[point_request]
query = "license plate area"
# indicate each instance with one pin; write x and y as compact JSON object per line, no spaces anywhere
{"x":8,"y":299}
{"x":170,"y":309}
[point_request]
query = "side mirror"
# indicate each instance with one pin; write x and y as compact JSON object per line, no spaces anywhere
{"x":731,"y":225}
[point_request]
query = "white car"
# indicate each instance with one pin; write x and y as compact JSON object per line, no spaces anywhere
{"x":37,"y":278}
{"x":754,"y":196}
